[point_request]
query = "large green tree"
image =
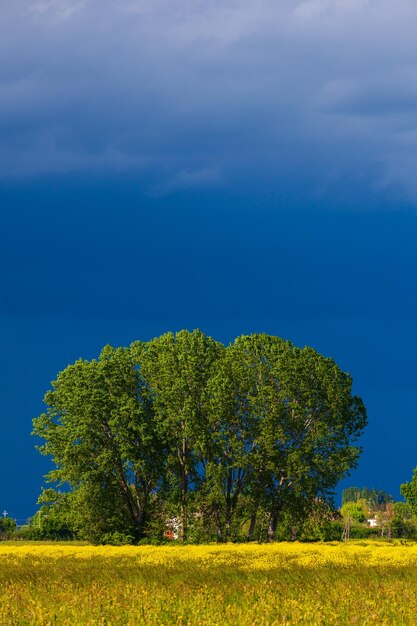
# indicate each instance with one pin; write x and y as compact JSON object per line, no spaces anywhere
{"x":181,"y":427}
{"x":291,"y":425}
{"x":176,"y":368}
{"x":100,"y":432}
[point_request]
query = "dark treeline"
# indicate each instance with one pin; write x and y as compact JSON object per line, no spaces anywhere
{"x":184,"y":435}
{"x":374,"y":497}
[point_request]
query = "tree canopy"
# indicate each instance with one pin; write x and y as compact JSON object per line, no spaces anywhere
{"x":375,"y":498}
{"x":409,"y":491}
{"x":219,"y":442}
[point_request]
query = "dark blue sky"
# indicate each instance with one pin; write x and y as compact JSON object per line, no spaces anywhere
{"x":237,"y":167}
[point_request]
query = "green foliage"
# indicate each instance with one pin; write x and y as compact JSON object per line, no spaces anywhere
{"x":53,"y":521}
{"x":7,"y":526}
{"x":404,"y":523}
{"x":362,"y":531}
{"x":409,"y":492}
{"x":228,"y":443}
{"x":283,"y":420}
{"x":326,"y":530}
{"x":323,"y":523}
{"x":356,"y":511}
{"x":176,"y":369}
{"x":375,"y":498}
{"x":99,"y":430}
{"x":393,"y":519}
{"x":116,"y":539}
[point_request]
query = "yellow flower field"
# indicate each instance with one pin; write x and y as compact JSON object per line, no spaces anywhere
{"x":284,"y":583}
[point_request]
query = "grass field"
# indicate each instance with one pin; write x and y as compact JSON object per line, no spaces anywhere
{"x":355,"y":583}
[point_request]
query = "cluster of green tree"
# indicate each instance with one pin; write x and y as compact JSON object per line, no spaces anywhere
{"x":389,"y":518}
{"x":210,"y":442}
{"x":7,"y":527}
{"x":373,"y":497}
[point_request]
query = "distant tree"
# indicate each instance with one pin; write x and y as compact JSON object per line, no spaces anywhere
{"x":7,"y":525}
{"x":409,"y":491}
{"x":376,"y":499}
{"x":403,"y":510}
{"x":384,"y":518}
{"x":54,"y":520}
{"x":404,"y":522}
{"x":356,"y":511}
{"x":351,"y":494}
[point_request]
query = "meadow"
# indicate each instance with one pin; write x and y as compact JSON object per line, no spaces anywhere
{"x":283,"y":583}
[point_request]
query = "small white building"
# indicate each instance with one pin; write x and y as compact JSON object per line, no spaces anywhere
{"x":372,"y":522}
{"x":172,"y":528}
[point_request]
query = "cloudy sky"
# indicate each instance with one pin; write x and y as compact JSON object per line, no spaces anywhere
{"x":235,"y":166}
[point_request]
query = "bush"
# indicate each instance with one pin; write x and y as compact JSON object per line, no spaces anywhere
{"x":7,"y":525}
{"x":360,"y":531}
{"x":116,"y":539}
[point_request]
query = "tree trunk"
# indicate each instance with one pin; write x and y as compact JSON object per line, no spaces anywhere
{"x":228,"y":505}
{"x":273,"y":523}
{"x":184,"y":490}
{"x":277,"y":506}
{"x":218,"y":524}
{"x":184,"y":493}
{"x":252,"y":526}
{"x":232,"y":500}
{"x":134,"y":507}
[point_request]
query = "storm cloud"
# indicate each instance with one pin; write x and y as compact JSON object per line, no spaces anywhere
{"x":211,"y":164}
{"x":201,"y":94}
